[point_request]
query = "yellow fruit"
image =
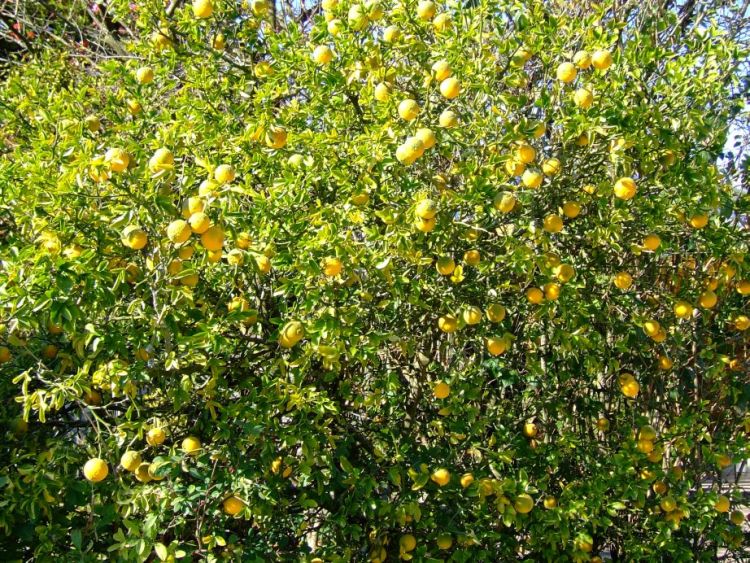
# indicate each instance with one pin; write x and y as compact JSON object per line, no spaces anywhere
{"x":601,"y":59}
{"x":530,"y":430}
{"x":496,"y":345}
{"x":683,"y":310}
{"x":504,"y":202}
{"x":550,"y":502}
{"x":553,"y":223}
{"x":408,"y":110}
{"x":191,"y":445}
{"x":564,"y":272}
{"x":442,"y":22}
{"x":95,"y":470}
{"x":407,"y":542}
{"x":391,"y":34}
{"x":722,"y":504}
{"x":665,"y":363}
{"x":651,"y":328}
{"x":178,"y":231}
{"x":192,"y":205}
{"x":424,"y":225}
{"x":441,"y":476}
{"x":163,"y":159}
{"x":698,"y":221}
{"x":450,"y":88}
{"x":466,"y":480}
{"x":707,"y":299}
{"x":532,"y":179}
{"x":448,"y":119}
{"x":199,"y":222}
{"x":426,"y":209}
{"x":737,"y":517}
{"x":629,"y":386}
{"x":582,"y":59}
{"x":410,"y":151}
{"x":202,"y":8}
{"x":118,"y":159}
{"x":144,"y":75}
{"x":219,"y":42}
{"x":495,"y":313}
{"x":93,"y":123}
{"x":602,"y":424}
{"x":444,"y":541}
{"x":445,"y":265}
{"x":441,"y":390}
{"x":723,"y":461}
{"x":332,"y":266}
{"x":448,"y":323}
{"x":441,"y":70}
{"x":651,"y":242}
{"x":235,"y":257}
{"x":660,"y":336}
{"x":583,"y":98}
{"x":208,"y":188}
{"x":534,"y":295}
{"x":224,"y":174}
{"x":472,"y":315}
{"x":427,"y":136}
{"x":134,"y":237}
{"x":156,"y":437}
{"x":742,"y":322}
{"x":426,"y":10}
{"x":263,"y":69}
{"x":625,"y":188}
{"x":213,"y":238}
{"x":142,"y":474}
{"x":523,"y":503}
{"x":472,"y":257}
{"x":514,"y":167}
{"x":521,"y":57}
{"x":161,"y":39}
{"x":130,"y":460}
{"x":382,"y":92}
{"x":276,"y":137}
{"x":291,"y":334}
{"x":322,"y":54}
{"x":134,"y":107}
{"x":566,"y":72}
{"x":233,"y":505}
{"x":551,"y":166}
{"x":571,"y":209}
{"x":526,"y":154}
{"x":551,"y":291}
{"x":644,"y":446}
{"x":660,"y":487}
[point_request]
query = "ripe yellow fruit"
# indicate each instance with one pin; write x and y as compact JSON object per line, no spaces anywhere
{"x":683,"y":310}
{"x":263,"y":69}
{"x":445,"y":265}
{"x":448,"y":323}
{"x":496,"y":345}
{"x":322,"y":54}
{"x":521,"y":57}
{"x":192,"y":205}
{"x":144,"y":75}
{"x":625,"y":188}
{"x":741,"y":322}
{"x":235,"y":257}
{"x":566,"y":72}
{"x":723,"y":461}
{"x":645,"y":446}
{"x":722,"y":504}
{"x":134,"y":107}
{"x":426,"y":10}
{"x":450,"y":88}
{"x":93,"y":123}
{"x":213,"y":238}
{"x":553,"y":223}
{"x":410,"y":151}
{"x":571,"y":209}
{"x":95,"y":470}
{"x":134,"y":237}
{"x":445,"y":541}
{"x":448,"y":119}
{"x":291,"y":334}
{"x":178,"y":231}
{"x":142,"y":474}
{"x":534,"y":295}
{"x":391,"y":34}
{"x":504,"y":202}
{"x":191,"y":445}
{"x":660,"y":336}
{"x":276,"y":137}
{"x":582,"y":59}
{"x":382,"y":92}
{"x":224,"y":174}
{"x":551,"y":291}
{"x":708,"y":299}
{"x":233,"y":505}
{"x":514,"y":167}
{"x":130,"y":460}
{"x":530,"y":430}
{"x":472,"y":257}
{"x":550,"y":502}
{"x":699,"y":221}
{"x":335,"y":27}
{"x":743,"y":287}
{"x":441,"y":476}
{"x":202,"y":8}
{"x":466,"y":480}
{"x":651,"y":328}
{"x":442,"y":70}
{"x":601,"y":59}
{"x":199,"y":222}
{"x":551,"y":166}
{"x":5,"y":355}
{"x":424,"y":225}
{"x":526,"y":154}
{"x":407,"y":542}
{"x":427,"y":136}
{"x":118,"y":159}
{"x":665,"y":363}
{"x":532,"y":179}
{"x":219,"y":42}
{"x":408,"y":109}
{"x":426,"y":209}
{"x":564,"y":272}
{"x":602,"y":424}
{"x":155,"y":437}
{"x":442,"y":22}
{"x":583,"y":98}
{"x":441,"y":390}
{"x":651,"y":242}
{"x":472,"y":315}
{"x":628,"y":385}
{"x":523,"y":503}
{"x":660,"y":487}
{"x":332,"y":266}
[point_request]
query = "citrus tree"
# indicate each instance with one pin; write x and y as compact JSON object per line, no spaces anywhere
{"x":370,"y":281}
